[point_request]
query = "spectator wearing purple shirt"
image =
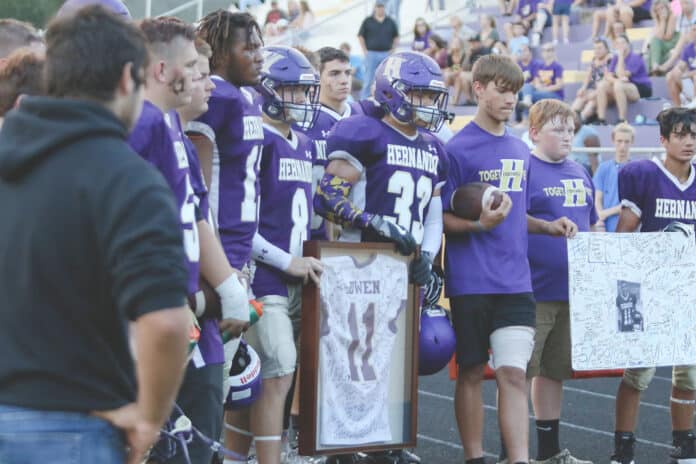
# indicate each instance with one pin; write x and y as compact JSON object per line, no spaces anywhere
{"x":625,"y":81}
{"x":547,"y":78}
{"x":681,"y":78}
{"x":421,"y":34}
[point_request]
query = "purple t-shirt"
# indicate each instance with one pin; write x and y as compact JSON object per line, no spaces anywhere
{"x":285,"y":204}
{"x":549,"y":74}
{"x":529,"y":69}
{"x":494,"y":261}
{"x":158,"y":138}
{"x":318,"y":133}
{"x":556,"y":190}
{"x":527,"y":7}
{"x":421,"y":43}
{"x":399,"y":173}
{"x":634,"y":64}
{"x":656,"y":196}
{"x":688,"y":56}
{"x":233,"y":122}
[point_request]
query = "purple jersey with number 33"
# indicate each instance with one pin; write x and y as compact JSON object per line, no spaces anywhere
{"x":233,"y":121}
{"x":399,"y":174}
{"x":286,"y":203}
{"x":158,"y":138}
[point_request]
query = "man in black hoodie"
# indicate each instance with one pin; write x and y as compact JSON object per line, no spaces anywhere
{"x":89,"y":243}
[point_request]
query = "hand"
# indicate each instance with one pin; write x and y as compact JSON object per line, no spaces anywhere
{"x":599,"y":226}
{"x":234,"y":327}
{"x":140,"y":433}
{"x":561,"y":227}
{"x":405,"y":243}
{"x":490,"y":218}
{"x":306,"y":268}
{"x":420,"y":269}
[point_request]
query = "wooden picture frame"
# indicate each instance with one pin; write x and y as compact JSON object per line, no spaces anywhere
{"x":402,"y":394}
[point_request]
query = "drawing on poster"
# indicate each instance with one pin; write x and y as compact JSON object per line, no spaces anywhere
{"x":632,"y":300}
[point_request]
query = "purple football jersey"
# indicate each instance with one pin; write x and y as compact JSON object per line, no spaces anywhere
{"x":499,"y":256}
{"x":325,"y":121}
{"x":399,"y":173}
{"x":233,"y":122}
{"x":556,"y":190}
{"x":158,"y":138}
{"x":285,"y":204}
{"x":656,"y":196}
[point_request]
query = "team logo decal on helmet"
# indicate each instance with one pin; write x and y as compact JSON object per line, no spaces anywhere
{"x":115,"y":6}
{"x":411,"y":87}
{"x":289,"y":86}
{"x":243,"y":385}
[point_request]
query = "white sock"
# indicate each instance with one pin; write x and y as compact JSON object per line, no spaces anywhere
{"x":233,"y":461}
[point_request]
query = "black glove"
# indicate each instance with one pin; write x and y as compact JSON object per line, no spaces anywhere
{"x":405,"y":243}
{"x":420,"y":269}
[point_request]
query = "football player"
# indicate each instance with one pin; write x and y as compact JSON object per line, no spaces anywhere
{"x":384,"y":175}
{"x":289,"y":90}
{"x":493,"y":308}
{"x":654,"y":193}
{"x":335,"y":75}
{"x":558,"y":187}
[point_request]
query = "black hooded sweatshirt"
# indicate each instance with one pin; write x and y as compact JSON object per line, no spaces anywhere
{"x":89,"y":239}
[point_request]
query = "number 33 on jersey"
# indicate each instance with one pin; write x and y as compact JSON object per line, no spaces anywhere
{"x":399,"y":174}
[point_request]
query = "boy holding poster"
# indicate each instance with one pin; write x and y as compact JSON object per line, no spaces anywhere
{"x":653,"y":194}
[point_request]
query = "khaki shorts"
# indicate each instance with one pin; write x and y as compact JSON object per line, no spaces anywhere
{"x":274,"y":336}
{"x":683,"y":377}
{"x":551,"y":355}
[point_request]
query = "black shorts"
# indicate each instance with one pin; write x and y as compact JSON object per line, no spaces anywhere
{"x":645,"y":91}
{"x":640,"y":14}
{"x":476,"y":317}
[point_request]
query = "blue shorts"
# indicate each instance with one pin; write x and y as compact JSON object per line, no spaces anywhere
{"x":561,"y":9}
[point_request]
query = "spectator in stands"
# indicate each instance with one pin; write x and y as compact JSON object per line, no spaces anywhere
{"x":528,"y":64}
{"x":616,"y":30}
{"x":518,"y":39}
{"x":488,"y":35}
{"x":20,"y":75}
{"x":606,"y":179}
{"x":421,"y":34}
{"x":680,"y":80}
{"x":547,"y":78}
{"x":293,"y":10}
{"x":527,"y":15}
{"x":561,"y":18}
{"x":585,"y":136}
{"x":457,"y":77}
{"x":437,"y":50}
{"x":273,"y":18}
{"x":457,"y":37}
{"x":378,"y":36}
{"x":357,"y":65}
{"x":664,"y":36}
{"x":625,"y":81}
{"x":632,"y":11}
{"x":686,"y":17}
{"x":507,"y":7}
{"x":585,"y":102}
{"x":305,"y":19}
{"x":17,"y":34}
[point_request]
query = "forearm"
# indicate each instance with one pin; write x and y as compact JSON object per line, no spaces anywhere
{"x":536,"y":225}
{"x":362,"y":44}
{"x":614,"y":210}
{"x":161,"y":350}
{"x":264,"y":251}
{"x":456,"y":225}
{"x":331,"y":202}
{"x":215,"y":267}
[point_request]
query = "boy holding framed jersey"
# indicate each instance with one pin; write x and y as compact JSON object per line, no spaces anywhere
{"x":558,"y":187}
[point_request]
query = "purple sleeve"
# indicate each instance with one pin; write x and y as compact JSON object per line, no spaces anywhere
{"x":354,"y":139}
{"x":453,"y":179}
{"x":221,"y":110}
{"x":593,"y":212}
{"x":685,"y":53}
{"x":557,"y":72}
{"x":630,"y":188}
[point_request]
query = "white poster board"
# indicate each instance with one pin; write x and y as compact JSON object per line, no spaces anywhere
{"x":632,"y":300}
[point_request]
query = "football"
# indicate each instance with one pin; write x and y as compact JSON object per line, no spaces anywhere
{"x":468,"y":200}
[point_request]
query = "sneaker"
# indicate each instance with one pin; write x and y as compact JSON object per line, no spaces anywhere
{"x":685,"y":453}
{"x":615,"y":459}
{"x":564,"y":457}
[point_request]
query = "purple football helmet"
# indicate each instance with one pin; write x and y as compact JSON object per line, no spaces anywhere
{"x":243,"y":385}
{"x":285,"y":70}
{"x":401,"y":81}
{"x":115,"y":6}
{"x":436,"y":341}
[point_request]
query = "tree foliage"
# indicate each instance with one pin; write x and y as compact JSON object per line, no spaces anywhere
{"x":37,"y":12}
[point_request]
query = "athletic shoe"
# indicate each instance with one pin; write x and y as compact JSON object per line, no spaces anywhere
{"x":621,"y":460}
{"x":564,"y":457}
{"x":684,"y":453}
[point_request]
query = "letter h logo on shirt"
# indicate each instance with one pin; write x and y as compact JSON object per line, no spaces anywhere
{"x":575,"y":193}
{"x":511,"y":175}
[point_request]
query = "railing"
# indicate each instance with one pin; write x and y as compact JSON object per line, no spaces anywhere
{"x":197,"y":3}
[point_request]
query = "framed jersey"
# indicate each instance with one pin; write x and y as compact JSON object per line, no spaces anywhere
{"x":359,"y":382}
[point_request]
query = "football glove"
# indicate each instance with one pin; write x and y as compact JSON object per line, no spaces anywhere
{"x":676,"y":226}
{"x":420,"y":269}
{"x":404,"y":241}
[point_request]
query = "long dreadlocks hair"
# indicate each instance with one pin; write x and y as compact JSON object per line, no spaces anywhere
{"x":218,"y":29}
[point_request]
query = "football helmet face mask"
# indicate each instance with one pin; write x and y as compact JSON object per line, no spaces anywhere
{"x":115,"y":6}
{"x":436,"y":340}
{"x":289,"y":86}
{"x":243,"y":385}
{"x":411,"y":87}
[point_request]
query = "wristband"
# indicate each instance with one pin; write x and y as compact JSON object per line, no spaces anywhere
{"x":479,"y":227}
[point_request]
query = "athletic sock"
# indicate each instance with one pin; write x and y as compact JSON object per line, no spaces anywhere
{"x":547,"y":439}
{"x":233,"y":461}
{"x":623,"y":445}
{"x":480,"y":460}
